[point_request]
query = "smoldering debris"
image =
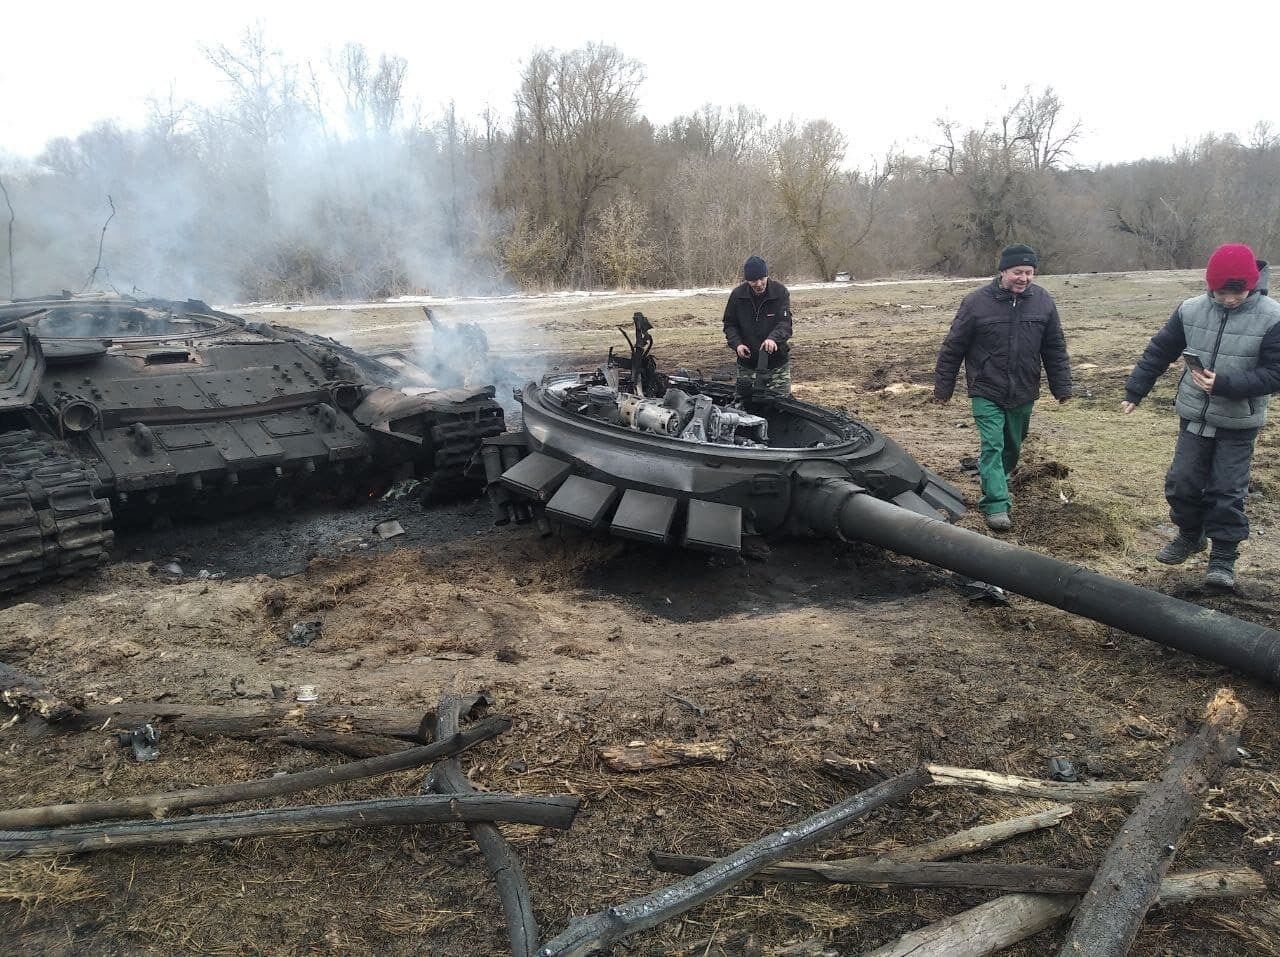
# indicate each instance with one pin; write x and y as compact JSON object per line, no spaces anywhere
{"x":457,"y":355}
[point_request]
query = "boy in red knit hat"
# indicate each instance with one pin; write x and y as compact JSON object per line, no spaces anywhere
{"x":1229,"y":340}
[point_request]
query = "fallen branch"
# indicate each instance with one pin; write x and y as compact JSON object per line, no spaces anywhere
{"x":598,"y":931}
{"x":1026,"y":878}
{"x":556,"y":811}
{"x":1095,"y":792}
{"x":665,"y":754}
{"x":974,"y":839}
{"x":503,"y":863}
{"x":159,"y":805}
{"x":1128,"y":878}
{"x":1005,"y":921}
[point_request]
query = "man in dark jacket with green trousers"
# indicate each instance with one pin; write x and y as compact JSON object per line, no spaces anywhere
{"x":1005,"y":333}
{"x":1229,"y":338}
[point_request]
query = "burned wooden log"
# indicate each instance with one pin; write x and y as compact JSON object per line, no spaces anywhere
{"x":596,"y":932}
{"x":1003,"y":922}
{"x":1022,"y":878}
{"x":158,"y":805}
{"x":246,"y":720}
{"x":650,"y":755}
{"x":554,"y":811}
{"x":1128,"y":879}
{"x":348,"y":744}
{"x":501,"y":859}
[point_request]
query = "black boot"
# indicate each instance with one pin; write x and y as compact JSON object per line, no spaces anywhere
{"x":1222,"y":565}
{"x":1180,"y":549}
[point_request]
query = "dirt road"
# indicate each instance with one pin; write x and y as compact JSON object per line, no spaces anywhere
{"x":589,"y":643}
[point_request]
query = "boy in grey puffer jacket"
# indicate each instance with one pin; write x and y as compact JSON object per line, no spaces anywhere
{"x":1234,"y":330}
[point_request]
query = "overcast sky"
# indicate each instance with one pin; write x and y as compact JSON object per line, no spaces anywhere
{"x":1141,"y":78}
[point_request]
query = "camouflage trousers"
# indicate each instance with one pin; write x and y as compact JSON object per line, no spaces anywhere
{"x":777,"y":381}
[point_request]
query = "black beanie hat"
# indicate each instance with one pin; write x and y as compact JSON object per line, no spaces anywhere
{"x":754,"y":268}
{"x":1017,"y":255}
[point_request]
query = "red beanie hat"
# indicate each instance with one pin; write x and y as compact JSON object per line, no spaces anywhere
{"x":1232,"y":261}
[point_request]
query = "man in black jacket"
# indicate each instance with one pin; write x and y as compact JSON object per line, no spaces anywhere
{"x":1004,"y":333}
{"x":757,"y":318}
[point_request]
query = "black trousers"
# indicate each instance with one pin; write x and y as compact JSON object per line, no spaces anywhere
{"x":1207,"y":483}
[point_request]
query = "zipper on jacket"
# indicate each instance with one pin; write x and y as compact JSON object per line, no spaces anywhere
{"x":1213,"y":361}
{"x":1013,"y":329}
{"x":756,"y":310}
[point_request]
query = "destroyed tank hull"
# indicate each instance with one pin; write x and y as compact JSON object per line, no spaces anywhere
{"x":116,"y":409}
{"x":602,"y":451}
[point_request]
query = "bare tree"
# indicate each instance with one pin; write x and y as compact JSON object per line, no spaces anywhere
{"x":714,"y":132}
{"x":452,"y":145}
{"x":805,"y":168}
{"x":373,"y":98}
{"x":984,"y":195}
{"x":1166,"y":206}
{"x":575,"y":116}
{"x":1045,"y":135}
{"x":264,"y":91}
{"x":352,"y":70}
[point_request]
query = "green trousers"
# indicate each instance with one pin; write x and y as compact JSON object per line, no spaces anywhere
{"x":1001,"y":432}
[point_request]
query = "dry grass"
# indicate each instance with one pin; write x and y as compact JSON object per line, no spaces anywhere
{"x":40,"y":885}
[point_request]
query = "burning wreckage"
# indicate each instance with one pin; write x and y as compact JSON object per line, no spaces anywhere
{"x":120,"y":408}
{"x":672,"y":459}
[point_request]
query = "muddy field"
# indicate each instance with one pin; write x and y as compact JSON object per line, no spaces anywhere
{"x":586,"y":643}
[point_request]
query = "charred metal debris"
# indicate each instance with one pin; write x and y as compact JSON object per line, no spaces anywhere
{"x":119,"y":409}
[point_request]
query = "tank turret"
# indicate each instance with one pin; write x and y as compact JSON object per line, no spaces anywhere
{"x":677,"y":460}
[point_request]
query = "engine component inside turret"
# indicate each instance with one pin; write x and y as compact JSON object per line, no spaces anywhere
{"x":679,"y":414}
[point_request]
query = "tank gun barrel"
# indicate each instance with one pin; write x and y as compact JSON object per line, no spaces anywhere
{"x":837,"y":507}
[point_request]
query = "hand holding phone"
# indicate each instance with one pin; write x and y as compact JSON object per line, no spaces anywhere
{"x":1193,"y":360}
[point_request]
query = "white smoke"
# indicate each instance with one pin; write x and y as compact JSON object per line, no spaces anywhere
{"x":267,"y":196}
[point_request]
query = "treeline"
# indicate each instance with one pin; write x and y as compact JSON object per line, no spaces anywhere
{"x":317,"y":181}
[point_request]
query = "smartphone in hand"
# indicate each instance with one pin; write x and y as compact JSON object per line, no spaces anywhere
{"x":1193,"y":361}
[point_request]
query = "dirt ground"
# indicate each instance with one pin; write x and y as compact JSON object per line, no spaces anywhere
{"x":587,"y":642}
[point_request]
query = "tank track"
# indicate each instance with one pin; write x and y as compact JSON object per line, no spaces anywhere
{"x":52,"y":522}
{"x":456,"y":438}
